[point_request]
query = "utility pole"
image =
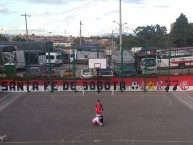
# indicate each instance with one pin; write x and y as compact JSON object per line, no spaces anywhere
{"x":26,"y":24}
{"x":120,"y":26}
{"x":121,"y":44}
{"x":80,"y":32}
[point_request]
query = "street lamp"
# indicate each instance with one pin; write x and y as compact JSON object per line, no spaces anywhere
{"x":112,"y":39}
{"x":121,"y":50}
{"x":129,"y":29}
{"x":120,"y":33}
{"x":120,"y":25}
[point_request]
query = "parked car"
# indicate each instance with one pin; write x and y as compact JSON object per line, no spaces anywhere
{"x":68,"y":73}
{"x":87,"y":73}
{"x":48,"y":73}
{"x":41,"y":72}
{"x":127,"y":71}
{"x":33,"y":72}
{"x":105,"y":72}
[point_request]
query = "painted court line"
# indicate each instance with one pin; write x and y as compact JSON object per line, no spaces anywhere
{"x":185,"y":99}
{"x":166,"y":97}
{"x":9,"y":99}
{"x":25,"y":102}
{"x":4,"y":97}
{"x":98,"y":140}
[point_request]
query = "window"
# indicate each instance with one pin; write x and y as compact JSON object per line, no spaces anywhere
{"x":59,"y":57}
{"x":190,"y":51}
{"x":72,"y":55}
{"x":51,"y":57}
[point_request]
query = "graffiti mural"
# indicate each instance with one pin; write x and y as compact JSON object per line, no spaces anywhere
{"x":184,"y":85}
{"x":162,"y":83}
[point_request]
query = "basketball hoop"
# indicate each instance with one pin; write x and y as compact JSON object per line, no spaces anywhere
{"x":97,"y":66}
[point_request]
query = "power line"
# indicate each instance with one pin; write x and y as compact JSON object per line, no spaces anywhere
{"x":13,"y":22}
{"x":89,"y":4}
{"x":18,"y":21}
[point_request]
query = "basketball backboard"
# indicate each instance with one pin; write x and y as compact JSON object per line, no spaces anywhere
{"x":97,"y":63}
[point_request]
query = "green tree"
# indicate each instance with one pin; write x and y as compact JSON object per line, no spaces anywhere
{"x":77,"y":41}
{"x":190,"y":35}
{"x":157,"y":40}
{"x":179,"y":31}
{"x":18,"y":38}
{"x":3,"y":38}
{"x":160,"y":31}
{"x":151,"y":36}
{"x":145,"y":33}
{"x":131,"y":41}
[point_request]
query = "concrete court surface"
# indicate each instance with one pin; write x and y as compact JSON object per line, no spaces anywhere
{"x":130,"y":118}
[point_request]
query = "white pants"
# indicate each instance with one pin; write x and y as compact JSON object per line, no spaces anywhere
{"x":97,"y":120}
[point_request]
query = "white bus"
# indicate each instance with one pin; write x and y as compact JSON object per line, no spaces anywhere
{"x":55,"y":58}
{"x":7,"y":54}
{"x":175,"y":57}
{"x":148,"y":66}
{"x":145,"y":61}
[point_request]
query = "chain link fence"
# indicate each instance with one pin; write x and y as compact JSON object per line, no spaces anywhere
{"x":42,"y":61}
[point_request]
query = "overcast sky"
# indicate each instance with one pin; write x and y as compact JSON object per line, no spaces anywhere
{"x":62,"y":17}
